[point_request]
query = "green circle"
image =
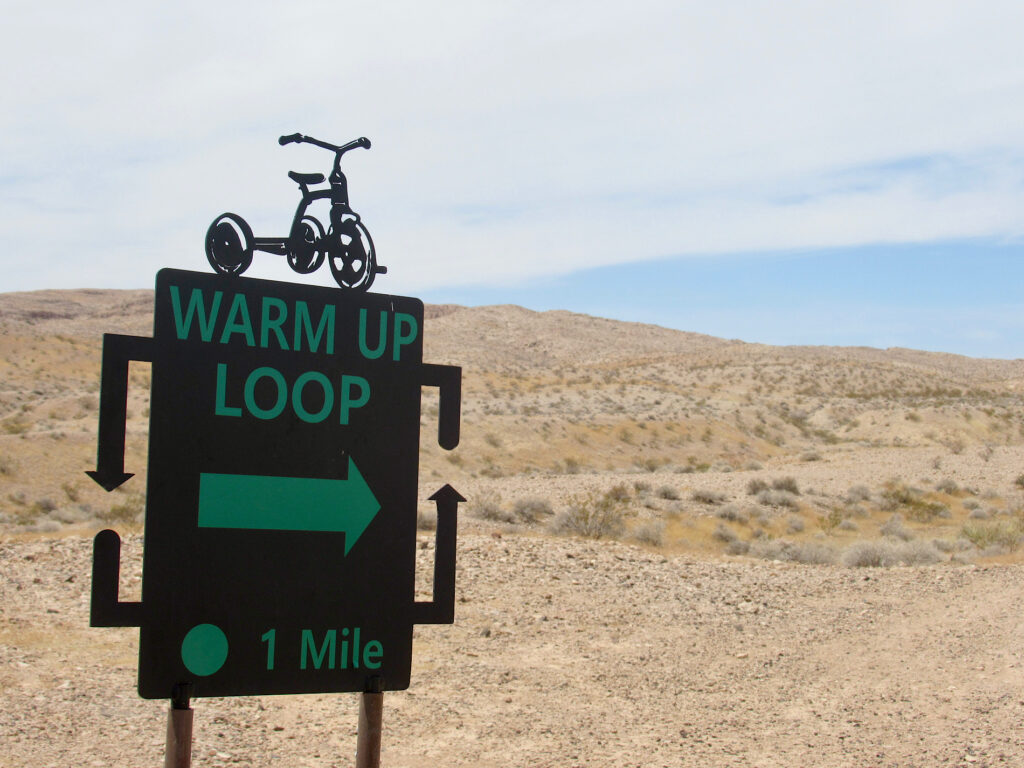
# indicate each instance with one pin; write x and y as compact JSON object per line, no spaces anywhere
{"x":204,"y":649}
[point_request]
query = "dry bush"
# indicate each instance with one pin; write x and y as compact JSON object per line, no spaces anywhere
{"x":772,"y":498}
{"x":130,"y":510}
{"x":737,"y":547}
{"x":618,"y":492}
{"x":868,"y":554}
{"x":858,"y":493}
{"x":733,"y":514}
{"x":1019,"y":482}
{"x":1003,"y":533}
{"x":884,"y":554}
{"x":668,"y":493}
{"x":651,"y":532}
{"x":426,"y":520}
{"x":724,"y":534}
{"x":488,"y":507}
{"x":787,"y":484}
{"x":794,"y":524}
{"x":705,"y":496}
{"x":902,"y":497}
{"x":808,"y":553}
{"x":592,"y":516}
{"x":947,"y":485}
{"x":532,"y":509}
{"x":894,"y":527}
{"x":756,"y":485}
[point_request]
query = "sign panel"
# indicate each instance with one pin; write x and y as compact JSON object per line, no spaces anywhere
{"x":282,"y":489}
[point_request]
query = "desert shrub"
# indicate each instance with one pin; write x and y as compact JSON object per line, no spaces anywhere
{"x":8,"y":466}
{"x":755,"y":465}
{"x":756,"y":485}
{"x":705,"y":496}
{"x":808,"y":553}
{"x":426,"y":519}
{"x":592,"y":516}
{"x":848,"y":525}
{"x":978,"y":514}
{"x":885,"y":554}
{"x":70,"y":515}
{"x":489,"y":507}
{"x":724,"y":534}
{"x":668,"y":492}
{"x":1003,"y":533}
{"x":810,"y":456}
{"x":1019,"y":482}
{"x":858,"y":493}
{"x":924,"y":511}
{"x":830,"y":520}
{"x":794,"y":524}
{"x":127,"y":511}
{"x":737,"y":547}
{"x":732,"y":513}
{"x":894,"y":527}
{"x":947,"y":485}
{"x":617,"y":492}
{"x":786,"y":484}
{"x":641,"y":486}
{"x":774,"y":498}
{"x":917,"y":553}
{"x":649,"y":464}
{"x":531,"y":510}
{"x":650,"y":532}
{"x":492,"y":470}
{"x":896,"y":497}
{"x":869,"y":554}
{"x":971,"y":503}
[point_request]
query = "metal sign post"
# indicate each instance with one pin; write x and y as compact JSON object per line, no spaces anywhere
{"x":284,"y":438}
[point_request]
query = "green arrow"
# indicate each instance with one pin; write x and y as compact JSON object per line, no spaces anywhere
{"x":288,"y":503}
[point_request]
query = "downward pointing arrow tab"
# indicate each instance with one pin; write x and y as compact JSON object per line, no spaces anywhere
{"x":288,"y":503}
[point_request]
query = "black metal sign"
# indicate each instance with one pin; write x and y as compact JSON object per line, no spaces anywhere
{"x":280,"y":529}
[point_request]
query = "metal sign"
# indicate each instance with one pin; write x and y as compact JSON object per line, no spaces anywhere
{"x":280,"y":533}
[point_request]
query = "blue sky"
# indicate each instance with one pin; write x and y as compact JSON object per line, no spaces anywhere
{"x":807,"y":172}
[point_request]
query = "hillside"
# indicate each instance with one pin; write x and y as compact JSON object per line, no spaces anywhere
{"x":576,"y":404}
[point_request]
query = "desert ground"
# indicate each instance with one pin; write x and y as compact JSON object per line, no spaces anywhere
{"x":676,"y":550}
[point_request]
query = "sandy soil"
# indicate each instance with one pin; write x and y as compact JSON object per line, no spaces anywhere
{"x":572,"y":653}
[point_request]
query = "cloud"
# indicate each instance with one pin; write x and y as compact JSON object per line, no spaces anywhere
{"x":510,"y":141}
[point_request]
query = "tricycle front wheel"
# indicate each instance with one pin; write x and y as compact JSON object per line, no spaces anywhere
{"x":351,"y":256}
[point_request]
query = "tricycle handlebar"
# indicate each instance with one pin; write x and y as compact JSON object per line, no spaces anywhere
{"x":298,"y":138}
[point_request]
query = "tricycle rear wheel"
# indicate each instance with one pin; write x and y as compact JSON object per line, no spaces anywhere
{"x":229,"y":244}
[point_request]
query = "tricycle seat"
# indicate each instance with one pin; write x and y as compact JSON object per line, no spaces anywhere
{"x":305,"y":178}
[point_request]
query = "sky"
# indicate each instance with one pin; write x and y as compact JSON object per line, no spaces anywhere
{"x":821,"y":172}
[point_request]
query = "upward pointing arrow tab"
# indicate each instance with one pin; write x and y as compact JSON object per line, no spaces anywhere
{"x":288,"y":503}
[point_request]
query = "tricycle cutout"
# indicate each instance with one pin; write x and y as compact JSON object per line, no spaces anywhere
{"x":347,"y":246}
